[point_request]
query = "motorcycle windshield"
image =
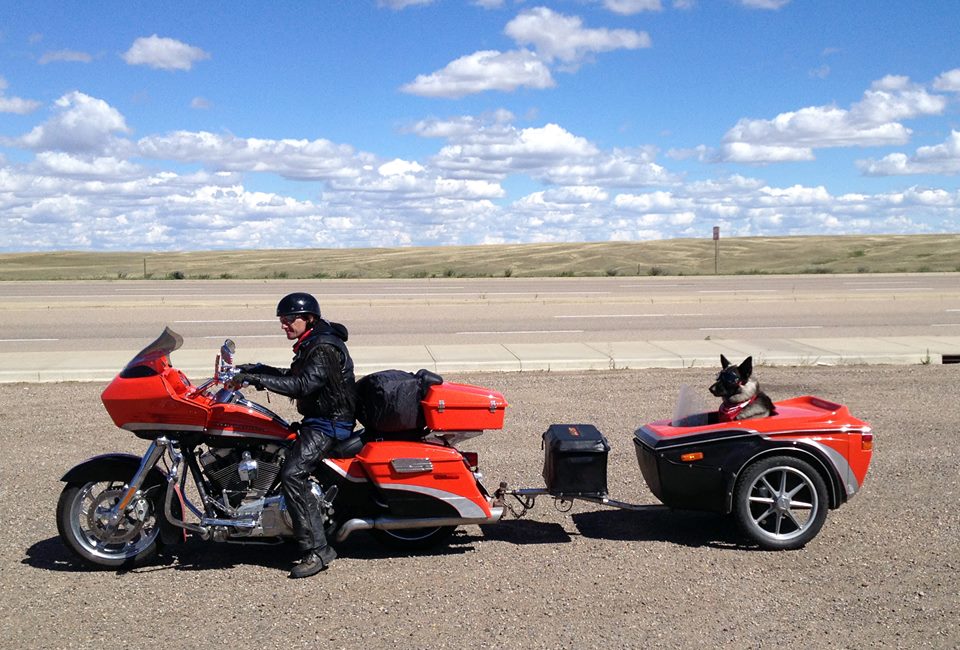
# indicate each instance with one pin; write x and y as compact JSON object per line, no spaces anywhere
{"x":148,"y":357}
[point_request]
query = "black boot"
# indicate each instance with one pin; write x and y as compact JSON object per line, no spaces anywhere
{"x":314,"y":562}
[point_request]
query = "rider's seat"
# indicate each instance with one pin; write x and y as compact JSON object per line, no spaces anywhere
{"x":347,"y":448}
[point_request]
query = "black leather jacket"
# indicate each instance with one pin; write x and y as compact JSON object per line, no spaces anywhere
{"x":320,"y":377}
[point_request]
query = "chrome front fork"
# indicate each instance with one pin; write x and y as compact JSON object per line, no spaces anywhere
{"x":131,"y":494}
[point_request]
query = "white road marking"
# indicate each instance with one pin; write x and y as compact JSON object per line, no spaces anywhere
{"x":898,"y":289}
{"x":772,"y":327}
{"x":738,"y":291}
{"x":258,"y":320}
{"x":945,"y":325}
{"x":246,"y":336}
{"x":25,"y":340}
{"x":622,"y":315}
{"x":526,"y":332}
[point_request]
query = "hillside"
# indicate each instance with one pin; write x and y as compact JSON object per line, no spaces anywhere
{"x":754,"y":255}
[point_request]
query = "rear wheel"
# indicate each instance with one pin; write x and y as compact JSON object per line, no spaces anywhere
{"x":83,"y":520}
{"x":413,"y":538}
{"x":780,"y":502}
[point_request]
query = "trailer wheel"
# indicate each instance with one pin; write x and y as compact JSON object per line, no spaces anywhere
{"x":780,"y":502}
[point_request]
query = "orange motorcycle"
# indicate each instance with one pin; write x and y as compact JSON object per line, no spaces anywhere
{"x":213,"y":467}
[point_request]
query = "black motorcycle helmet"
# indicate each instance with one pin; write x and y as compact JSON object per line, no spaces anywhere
{"x":294,"y":304}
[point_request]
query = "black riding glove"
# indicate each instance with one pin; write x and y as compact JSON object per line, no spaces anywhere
{"x":247,"y":378}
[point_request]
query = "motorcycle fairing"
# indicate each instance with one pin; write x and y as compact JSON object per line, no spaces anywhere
{"x":151,"y":398}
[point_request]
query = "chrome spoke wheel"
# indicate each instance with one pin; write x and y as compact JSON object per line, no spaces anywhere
{"x":88,"y":513}
{"x":781,"y":502}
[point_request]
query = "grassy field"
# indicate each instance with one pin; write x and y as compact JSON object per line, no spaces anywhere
{"x":753,"y":255}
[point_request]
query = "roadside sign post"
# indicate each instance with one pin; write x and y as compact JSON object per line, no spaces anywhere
{"x":716,"y":250}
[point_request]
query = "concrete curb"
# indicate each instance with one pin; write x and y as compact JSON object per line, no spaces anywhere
{"x":519,"y":357}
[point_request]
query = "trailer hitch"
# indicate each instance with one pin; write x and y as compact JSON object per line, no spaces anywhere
{"x":527,"y":498}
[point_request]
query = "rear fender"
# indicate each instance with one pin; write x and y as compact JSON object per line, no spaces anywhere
{"x":836,"y":491}
{"x":114,"y":466}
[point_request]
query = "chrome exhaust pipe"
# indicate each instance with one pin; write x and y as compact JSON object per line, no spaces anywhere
{"x":399,"y":523}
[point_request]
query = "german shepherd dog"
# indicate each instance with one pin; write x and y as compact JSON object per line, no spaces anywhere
{"x":742,"y":397}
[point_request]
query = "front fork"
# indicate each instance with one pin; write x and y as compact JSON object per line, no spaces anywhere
{"x":154,"y":452}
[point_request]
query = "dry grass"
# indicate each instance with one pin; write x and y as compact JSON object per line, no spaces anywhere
{"x":753,"y":255}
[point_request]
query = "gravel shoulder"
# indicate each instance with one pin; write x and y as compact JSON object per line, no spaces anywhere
{"x":884,"y":572}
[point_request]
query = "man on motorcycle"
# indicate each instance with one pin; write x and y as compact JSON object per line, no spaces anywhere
{"x":321,"y":381}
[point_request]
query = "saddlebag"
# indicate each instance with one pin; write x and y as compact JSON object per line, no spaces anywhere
{"x":575,"y":460}
{"x":389,"y":401}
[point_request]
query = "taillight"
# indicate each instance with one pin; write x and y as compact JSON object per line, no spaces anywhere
{"x":472,"y":459}
{"x":866,"y":442}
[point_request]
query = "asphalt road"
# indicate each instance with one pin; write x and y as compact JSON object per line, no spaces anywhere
{"x":883,"y":573}
{"x":85,"y":316}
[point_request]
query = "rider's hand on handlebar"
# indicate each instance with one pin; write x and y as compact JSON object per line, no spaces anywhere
{"x":246,"y":379}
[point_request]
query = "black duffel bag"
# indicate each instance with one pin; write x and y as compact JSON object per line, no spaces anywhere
{"x":389,"y":401}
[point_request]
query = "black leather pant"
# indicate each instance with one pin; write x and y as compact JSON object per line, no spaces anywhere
{"x":304,"y":457}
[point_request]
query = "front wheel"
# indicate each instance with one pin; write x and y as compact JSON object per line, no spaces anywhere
{"x":410,"y":539}
{"x":83,"y":520}
{"x":780,"y":502}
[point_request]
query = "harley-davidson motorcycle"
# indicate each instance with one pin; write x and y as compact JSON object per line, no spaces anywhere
{"x":213,"y":464}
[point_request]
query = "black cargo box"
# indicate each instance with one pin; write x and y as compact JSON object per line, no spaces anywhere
{"x":575,"y":460}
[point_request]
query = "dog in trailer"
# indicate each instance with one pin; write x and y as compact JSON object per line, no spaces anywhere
{"x":742,"y":397}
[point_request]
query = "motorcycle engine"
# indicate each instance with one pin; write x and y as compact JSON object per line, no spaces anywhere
{"x":242,"y":473}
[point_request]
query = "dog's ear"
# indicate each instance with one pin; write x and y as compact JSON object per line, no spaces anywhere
{"x":746,"y":369}
{"x":723,"y":362}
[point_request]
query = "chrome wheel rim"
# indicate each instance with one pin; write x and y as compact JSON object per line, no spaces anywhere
{"x":783,"y":503}
{"x":136,"y":531}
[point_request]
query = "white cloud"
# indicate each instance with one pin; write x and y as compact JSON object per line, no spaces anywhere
{"x":941,"y":159}
{"x":56,"y":163}
{"x":495,"y":149}
{"x":558,"y":37}
{"x":398,"y":167}
{"x":397,"y":5}
{"x":201,"y":103}
{"x":81,"y":124}
{"x":630,"y":7}
{"x":948,"y":81}
{"x":765,"y":4}
{"x":15,"y":104}
{"x":873,"y":121}
{"x":482,"y":71}
{"x":554,"y":37}
{"x":70,"y":56}
{"x":163,"y":53}
{"x":299,"y":159}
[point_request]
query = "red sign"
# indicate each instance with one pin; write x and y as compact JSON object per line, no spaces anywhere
{"x":716,"y":233}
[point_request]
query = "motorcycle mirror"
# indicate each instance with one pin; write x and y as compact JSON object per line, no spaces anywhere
{"x":227,"y":350}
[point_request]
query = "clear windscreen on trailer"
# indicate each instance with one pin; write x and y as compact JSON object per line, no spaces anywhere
{"x":691,"y":408}
{"x":165,"y":344}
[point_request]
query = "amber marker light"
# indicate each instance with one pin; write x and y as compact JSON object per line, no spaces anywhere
{"x":692,"y":456}
{"x":866,"y":442}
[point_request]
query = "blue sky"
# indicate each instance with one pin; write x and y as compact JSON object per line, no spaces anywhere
{"x":190,"y":126}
